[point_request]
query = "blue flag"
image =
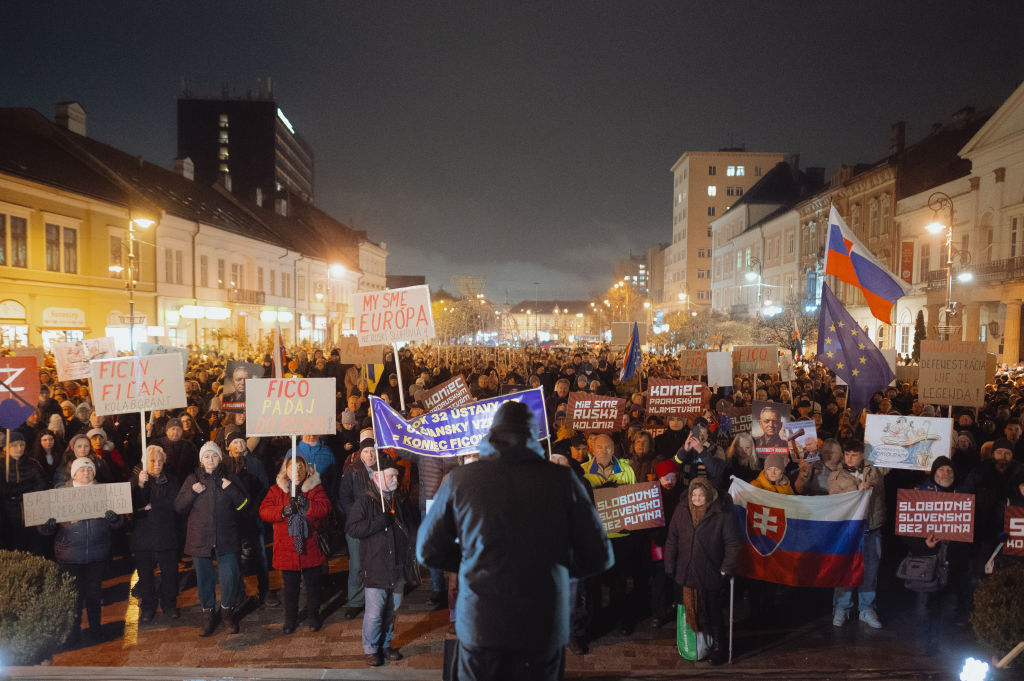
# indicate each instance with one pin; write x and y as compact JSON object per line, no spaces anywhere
{"x":632,"y":359}
{"x":846,"y":349}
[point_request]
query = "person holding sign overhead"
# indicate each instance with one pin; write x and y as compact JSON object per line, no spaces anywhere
{"x":211,"y":497}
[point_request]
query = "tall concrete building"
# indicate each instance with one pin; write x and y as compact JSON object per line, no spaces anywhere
{"x":705,"y":184}
{"x":247,"y":144}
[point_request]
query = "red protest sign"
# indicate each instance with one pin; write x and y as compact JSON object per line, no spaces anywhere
{"x":595,"y":413}
{"x":693,"y":362}
{"x":755,"y":359}
{"x":947,"y":515}
{"x":676,"y":398}
{"x":1013,"y":523}
{"x":19,"y":393}
{"x":452,"y":393}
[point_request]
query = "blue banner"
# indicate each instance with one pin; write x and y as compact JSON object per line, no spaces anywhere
{"x":450,"y":432}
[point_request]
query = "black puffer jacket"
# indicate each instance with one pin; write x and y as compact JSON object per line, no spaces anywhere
{"x":697,"y":556}
{"x":23,"y":475}
{"x":84,"y":541}
{"x":516,"y":528}
{"x":385,"y":538}
{"x":156,"y":522}
{"x":212,"y":514}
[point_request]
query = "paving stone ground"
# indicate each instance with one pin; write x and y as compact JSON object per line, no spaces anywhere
{"x":802,"y":644}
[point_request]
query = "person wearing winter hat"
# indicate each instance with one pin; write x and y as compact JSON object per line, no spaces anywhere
{"x":19,"y":474}
{"x":773,"y":477}
{"x":182,"y":455}
{"x":212,"y":496}
{"x":930,"y":605}
{"x":528,"y":625}
{"x":251,"y":530}
{"x":296,"y":548}
{"x":103,"y":449}
{"x":83,"y":548}
{"x":990,"y":483}
{"x":154,"y":538}
{"x":356,"y":480}
{"x":347,"y":437}
{"x":663,"y":589}
{"x":384,"y":522}
{"x":80,"y":447}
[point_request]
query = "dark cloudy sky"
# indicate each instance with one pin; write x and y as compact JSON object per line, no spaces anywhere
{"x":525,"y":141}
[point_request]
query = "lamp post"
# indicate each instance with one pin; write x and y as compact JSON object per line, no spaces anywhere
{"x":757,"y":276}
{"x":130,"y":283}
{"x":333,"y":272}
{"x":937,"y":201}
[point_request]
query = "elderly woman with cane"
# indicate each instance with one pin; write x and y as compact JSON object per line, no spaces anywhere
{"x":294,"y":511}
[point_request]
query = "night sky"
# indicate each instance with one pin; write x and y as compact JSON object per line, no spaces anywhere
{"x":522,"y":141}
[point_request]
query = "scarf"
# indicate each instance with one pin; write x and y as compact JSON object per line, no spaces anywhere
{"x":298,"y":530}
{"x":693,"y":603}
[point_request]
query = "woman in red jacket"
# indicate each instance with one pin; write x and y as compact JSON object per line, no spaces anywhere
{"x":296,"y":552}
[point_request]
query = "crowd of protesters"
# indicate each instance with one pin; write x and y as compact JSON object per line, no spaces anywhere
{"x":206,"y":493}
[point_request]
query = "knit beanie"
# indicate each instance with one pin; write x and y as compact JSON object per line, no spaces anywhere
{"x":82,"y":462}
{"x":775,"y":461}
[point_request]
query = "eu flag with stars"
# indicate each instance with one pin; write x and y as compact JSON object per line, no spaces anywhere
{"x":632,"y":359}
{"x":845,"y":348}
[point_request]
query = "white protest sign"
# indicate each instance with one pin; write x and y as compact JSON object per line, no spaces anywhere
{"x":911,"y":442}
{"x":67,"y":504}
{"x":126,"y":384}
{"x":720,"y":369}
{"x":290,"y":406}
{"x":143,"y":349}
{"x":394,"y":316}
{"x":72,"y":359}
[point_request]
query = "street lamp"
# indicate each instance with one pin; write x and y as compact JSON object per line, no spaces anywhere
{"x":143,"y":223}
{"x":757,"y":276}
{"x":937,"y":201}
{"x":335,"y":271}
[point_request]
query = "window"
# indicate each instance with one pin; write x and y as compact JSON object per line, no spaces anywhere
{"x":790,"y":243}
{"x":757,"y":171}
{"x":116,"y":256}
{"x":679,"y":199}
{"x":855,"y":217}
{"x":739,"y":261}
{"x":925,"y":265}
{"x":730,"y":171}
{"x":709,"y":231}
{"x":300,"y":287}
{"x":204,"y":270}
{"x":711,"y":211}
{"x":237,"y":275}
{"x":259,"y":278}
{"x":740,"y":171}
{"x":52,"y":248}
{"x":1013,"y":237}
{"x":223,"y":154}
{"x":873,"y":217}
{"x":220,"y":272}
{"x":712,"y":170}
{"x":886,"y":210}
{"x":223,"y":120}
{"x":273,"y":282}
{"x":61,"y":245}
{"x":179,"y":266}
{"x":286,"y":284}
{"x":169,"y":265}
{"x":747,"y":258}
{"x":905,"y":339}
{"x":734,"y":191}
{"x":712,"y":190}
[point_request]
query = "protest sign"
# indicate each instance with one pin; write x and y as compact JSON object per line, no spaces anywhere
{"x":393,"y":315}
{"x":68,"y":504}
{"x":143,"y":349}
{"x":655,"y":431}
{"x":693,"y":362}
{"x":72,"y":359}
{"x":450,"y":432}
{"x":719,"y":368}
{"x":128,"y":384}
{"x":910,"y":442}
{"x":19,"y":393}
{"x":451,"y":393}
{"x":950,"y":516}
{"x":766,"y":423}
{"x":290,"y":406}
{"x":991,"y":365}
{"x":630,"y":507}
{"x":953,"y":372}
{"x":676,"y":398}
{"x":740,"y":420}
{"x":802,"y":438}
{"x":595,"y":413}
{"x":38,"y":353}
{"x":621,"y":331}
{"x":755,"y":359}
{"x":1013,"y":524}
{"x":351,"y":352}
{"x":786,"y":369}
{"x":236,"y":373}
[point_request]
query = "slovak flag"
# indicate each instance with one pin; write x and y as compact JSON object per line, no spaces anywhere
{"x":798,"y":540}
{"x":632,"y":359}
{"x":851,"y":262}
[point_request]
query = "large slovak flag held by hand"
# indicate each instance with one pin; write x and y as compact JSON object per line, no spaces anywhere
{"x":801,"y":541}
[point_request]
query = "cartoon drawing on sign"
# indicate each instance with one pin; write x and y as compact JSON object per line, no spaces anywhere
{"x":906,"y":441}
{"x":914,"y":437}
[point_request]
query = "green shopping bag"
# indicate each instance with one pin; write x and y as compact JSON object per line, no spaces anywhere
{"x":686,"y":640}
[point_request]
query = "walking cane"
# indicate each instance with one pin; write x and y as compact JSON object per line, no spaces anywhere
{"x":732,"y":587}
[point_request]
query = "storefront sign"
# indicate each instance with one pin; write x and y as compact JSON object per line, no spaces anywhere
{"x":630,"y":507}
{"x":394,"y":315}
{"x":595,"y":413}
{"x":70,"y":504}
{"x":953,"y":372}
{"x":949,"y":516}
{"x":127,"y":384}
{"x":290,"y":406}
{"x":64,"y":317}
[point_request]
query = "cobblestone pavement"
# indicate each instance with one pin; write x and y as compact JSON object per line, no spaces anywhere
{"x":802,"y":644}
